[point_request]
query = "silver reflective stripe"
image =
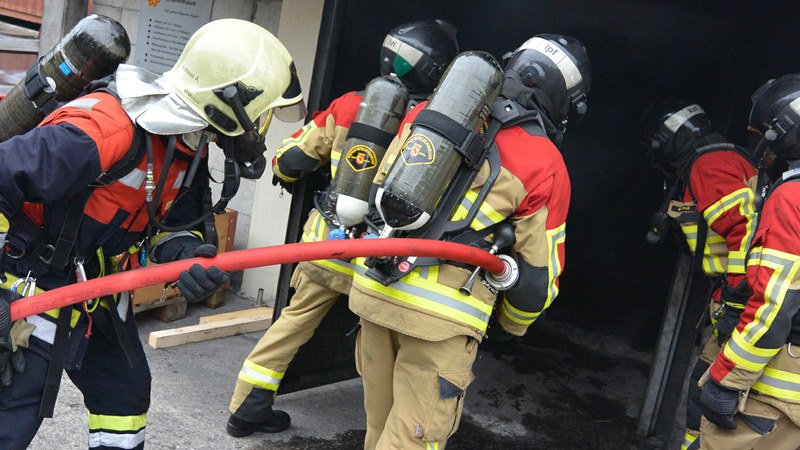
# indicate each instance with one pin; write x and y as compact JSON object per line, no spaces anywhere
{"x":45,"y":330}
{"x":777,"y":286}
{"x":83,"y":103}
{"x":747,"y":356}
{"x":554,"y":266}
{"x":114,"y":440}
{"x":511,"y":313}
{"x":434,"y":297}
{"x":260,"y":376}
{"x":133,"y":179}
{"x":409,"y":53}
{"x":122,"y":305}
{"x":679,"y":118}
{"x":780,"y":384}
{"x":179,"y":180}
{"x":568,"y":69}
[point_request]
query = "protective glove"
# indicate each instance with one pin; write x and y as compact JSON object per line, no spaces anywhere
{"x":11,"y":360}
{"x":496,"y":333}
{"x":718,"y":404}
{"x":285,"y":185}
{"x":198,"y":283}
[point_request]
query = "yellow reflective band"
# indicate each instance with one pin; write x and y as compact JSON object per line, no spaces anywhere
{"x":117,"y":423}
{"x":431,"y":445}
{"x":3,"y":224}
{"x":555,"y":237}
{"x":290,"y":142}
{"x":747,"y":355}
{"x":517,"y":315}
{"x":744,"y":200}
{"x":277,"y":171}
{"x":785,"y":267}
{"x":429,"y":296}
{"x":336,"y":264}
{"x":336,"y":155}
{"x":260,"y":376}
{"x":10,"y":279}
{"x":688,"y":440}
{"x":779,"y":384}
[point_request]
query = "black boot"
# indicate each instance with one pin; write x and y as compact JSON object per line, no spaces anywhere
{"x":276,"y":422}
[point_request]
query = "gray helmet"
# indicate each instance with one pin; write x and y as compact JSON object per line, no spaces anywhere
{"x":776,"y":115}
{"x":550,"y":72}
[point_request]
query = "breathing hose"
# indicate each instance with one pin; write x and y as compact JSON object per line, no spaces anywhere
{"x":255,"y":257}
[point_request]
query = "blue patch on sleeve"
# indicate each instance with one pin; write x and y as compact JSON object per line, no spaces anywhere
{"x":65,"y":68}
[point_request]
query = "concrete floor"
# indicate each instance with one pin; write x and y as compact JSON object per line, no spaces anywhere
{"x":546,"y":392}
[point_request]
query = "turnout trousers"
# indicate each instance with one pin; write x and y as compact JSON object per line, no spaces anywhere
{"x":413,"y":389}
{"x":266,"y":365}
{"x":116,"y":395}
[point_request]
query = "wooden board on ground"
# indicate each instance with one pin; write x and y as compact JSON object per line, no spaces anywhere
{"x":206,"y":331}
{"x":252,"y":313}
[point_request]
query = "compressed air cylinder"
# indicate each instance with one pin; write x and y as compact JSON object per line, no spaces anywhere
{"x":381,"y":110}
{"x":91,"y":50}
{"x":428,"y":161}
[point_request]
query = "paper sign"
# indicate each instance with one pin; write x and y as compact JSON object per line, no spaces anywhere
{"x":164,"y":28}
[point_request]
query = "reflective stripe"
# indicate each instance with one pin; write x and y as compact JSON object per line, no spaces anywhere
{"x":555,"y":236}
{"x":517,"y":315}
{"x":117,"y":423}
{"x":290,"y":142}
{"x":122,"y":305}
{"x":785,"y":266}
{"x":336,"y":264}
{"x":430,"y":296}
{"x":336,"y":155}
{"x":779,"y":384}
{"x":104,"y":439}
{"x":747,"y":355}
{"x":688,"y":440}
{"x":431,"y":445}
{"x":260,"y":376}
{"x":83,"y":103}
{"x":179,"y":180}
{"x":133,"y":179}
{"x":736,"y":262}
{"x":45,"y":330}
{"x":486,"y":216}
{"x":744,"y":200}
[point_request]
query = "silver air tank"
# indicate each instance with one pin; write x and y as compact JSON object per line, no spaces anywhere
{"x":428,"y":161}
{"x":91,"y":50}
{"x":382,"y":109}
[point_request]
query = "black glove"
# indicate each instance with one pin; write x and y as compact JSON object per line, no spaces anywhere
{"x":198,"y":283}
{"x":285,"y":185}
{"x":182,"y":247}
{"x":253,"y":170}
{"x":10,"y":361}
{"x":496,"y":332}
{"x":719,"y":404}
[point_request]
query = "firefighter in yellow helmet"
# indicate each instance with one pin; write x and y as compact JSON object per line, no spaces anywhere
{"x":109,"y":175}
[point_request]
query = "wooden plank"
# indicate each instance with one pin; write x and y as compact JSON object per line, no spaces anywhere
{"x":156,"y":303}
{"x":253,"y":313}
{"x":206,"y":331}
{"x":171,"y":312}
{"x":20,"y":45}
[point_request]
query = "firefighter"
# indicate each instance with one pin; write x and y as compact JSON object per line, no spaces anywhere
{"x":417,"y":53}
{"x":711,"y":198}
{"x":107,"y":178}
{"x":751,"y":393}
{"x":419,"y":334}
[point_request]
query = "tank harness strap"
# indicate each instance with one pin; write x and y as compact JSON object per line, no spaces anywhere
{"x":122,"y":334}
{"x":468,"y":144}
{"x":58,"y":356}
{"x":369,"y":133}
{"x":36,"y":85}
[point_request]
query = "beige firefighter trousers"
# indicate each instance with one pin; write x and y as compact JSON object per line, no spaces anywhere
{"x":413,"y":389}
{"x":297,"y":323}
{"x":785,"y":435}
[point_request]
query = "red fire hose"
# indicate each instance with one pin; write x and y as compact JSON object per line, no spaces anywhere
{"x":255,"y":257}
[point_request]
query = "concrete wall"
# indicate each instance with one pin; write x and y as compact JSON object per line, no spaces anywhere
{"x":296,"y":23}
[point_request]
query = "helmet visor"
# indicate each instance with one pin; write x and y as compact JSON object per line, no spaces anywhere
{"x":292,"y":108}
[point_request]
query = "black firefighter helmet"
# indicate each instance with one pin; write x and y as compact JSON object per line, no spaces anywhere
{"x":776,"y":115}
{"x":419,"y":52}
{"x":669,"y":129}
{"x":550,"y":72}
